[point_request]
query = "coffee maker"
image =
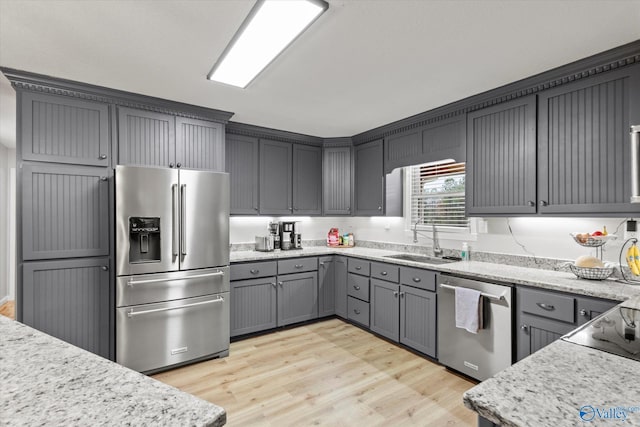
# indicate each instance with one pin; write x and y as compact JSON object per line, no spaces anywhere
{"x":287,"y":235}
{"x":274,"y":230}
{"x":297,"y":236}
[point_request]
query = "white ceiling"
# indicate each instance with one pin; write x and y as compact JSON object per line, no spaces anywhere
{"x":363,"y":64}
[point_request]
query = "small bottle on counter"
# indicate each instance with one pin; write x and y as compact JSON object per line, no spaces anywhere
{"x":465,"y":252}
{"x":352,"y":241}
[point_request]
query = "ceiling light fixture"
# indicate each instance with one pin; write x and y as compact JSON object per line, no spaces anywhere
{"x":270,"y":27}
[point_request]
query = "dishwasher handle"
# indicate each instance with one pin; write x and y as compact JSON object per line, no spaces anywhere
{"x":484,"y":294}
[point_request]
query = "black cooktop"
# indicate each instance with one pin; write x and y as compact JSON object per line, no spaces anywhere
{"x":617,"y":331}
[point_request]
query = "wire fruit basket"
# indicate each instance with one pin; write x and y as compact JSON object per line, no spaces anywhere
{"x":592,"y":241}
{"x":591,"y":273}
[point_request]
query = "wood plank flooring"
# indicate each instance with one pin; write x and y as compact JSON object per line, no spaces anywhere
{"x":327,"y":373}
{"x":8,"y":309}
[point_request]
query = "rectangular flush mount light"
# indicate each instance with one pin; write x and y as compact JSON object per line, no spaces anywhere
{"x":270,"y":27}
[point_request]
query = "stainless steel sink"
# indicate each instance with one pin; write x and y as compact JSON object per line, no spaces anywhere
{"x":420,"y":258}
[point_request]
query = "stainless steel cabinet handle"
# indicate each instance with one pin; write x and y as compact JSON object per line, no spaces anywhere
{"x":356,"y":311}
{"x":356,"y":287}
{"x":178,"y":165}
{"x":525,"y":328}
{"x":583,"y":312}
{"x":417,"y":279}
{"x":102,"y":156}
{"x":104,"y":268}
{"x":132,"y":313}
{"x":544,"y":306}
{"x":174,"y":220}
{"x":544,"y":203}
{"x":358,"y":268}
{"x":173,"y":279}
{"x":383,"y":273}
{"x":273,"y":284}
{"x":171,"y":165}
{"x":183,"y":222}
{"x":402,"y":294}
{"x":298,"y":266}
{"x":395,"y":294}
{"x":379,"y":208}
{"x":255,"y":208}
{"x":104,"y":178}
{"x":531,"y":203}
{"x":254,"y":271}
{"x":280,"y":283}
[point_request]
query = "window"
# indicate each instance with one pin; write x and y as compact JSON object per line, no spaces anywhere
{"x":437,"y":194}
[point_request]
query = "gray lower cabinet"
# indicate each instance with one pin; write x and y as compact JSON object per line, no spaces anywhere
{"x":64,"y":129}
{"x":146,"y":138}
{"x":385,"y":309}
{"x":336,"y":177}
{"x":326,"y":286}
{"x":275,"y":177}
{"x":369,"y":188}
{"x":418,"y":319}
{"x":253,"y":305}
{"x":297,"y":297}
{"x":65,"y":211}
{"x":307,"y":180}
{"x":70,"y":300}
{"x":543,"y":316}
{"x":242,"y":163}
{"x":340,"y":283}
{"x":501,"y":159}
{"x":200,"y":145}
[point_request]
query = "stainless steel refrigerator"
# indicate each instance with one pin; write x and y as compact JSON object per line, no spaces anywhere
{"x":172,"y":264}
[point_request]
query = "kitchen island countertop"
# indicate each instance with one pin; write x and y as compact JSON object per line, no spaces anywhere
{"x":563,"y":281}
{"x":46,"y":381}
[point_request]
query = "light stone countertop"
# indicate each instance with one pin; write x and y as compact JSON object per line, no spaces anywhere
{"x":550,"y":387}
{"x":547,"y":279}
{"x":45,"y":381}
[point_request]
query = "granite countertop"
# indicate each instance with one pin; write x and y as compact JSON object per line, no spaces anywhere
{"x":548,"y":279}
{"x":550,"y":387}
{"x":46,"y":381}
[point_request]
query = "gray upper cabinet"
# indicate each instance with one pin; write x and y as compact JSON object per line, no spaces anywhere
{"x":65,"y":211}
{"x":242,"y":164}
{"x":403,"y":149}
{"x":146,"y":138}
{"x":326,"y":286}
{"x":69,"y":300}
{"x":64,"y":130}
{"x":583,"y":143}
{"x":369,"y":183}
{"x":336,"y":176}
{"x":501,"y":159}
{"x":307,"y":180}
{"x":275,"y":177}
{"x":200,"y":145}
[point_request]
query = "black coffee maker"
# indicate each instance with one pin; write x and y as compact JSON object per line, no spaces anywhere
{"x":287,"y":239}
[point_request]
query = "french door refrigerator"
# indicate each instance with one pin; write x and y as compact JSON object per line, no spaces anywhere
{"x":172,"y":266}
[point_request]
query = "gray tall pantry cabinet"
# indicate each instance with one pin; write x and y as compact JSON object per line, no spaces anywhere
{"x":70,"y":136}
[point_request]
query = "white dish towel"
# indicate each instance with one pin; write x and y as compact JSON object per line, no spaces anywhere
{"x":468,"y":309}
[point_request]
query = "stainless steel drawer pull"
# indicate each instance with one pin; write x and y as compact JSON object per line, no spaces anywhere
{"x":356,"y":311}
{"x":525,"y":328}
{"x":583,"y":312}
{"x":417,"y":279}
{"x":254,"y":271}
{"x":356,"y":287}
{"x":195,"y":276}
{"x":298,"y":266}
{"x":544,"y":306}
{"x":132,"y":313}
{"x":383,"y":273}
{"x":358,"y":268}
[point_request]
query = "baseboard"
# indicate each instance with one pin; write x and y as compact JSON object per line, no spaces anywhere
{"x":4,"y":299}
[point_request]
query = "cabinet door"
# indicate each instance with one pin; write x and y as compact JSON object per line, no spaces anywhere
{"x":253,"y":305}
{"x":589,"y":308}
{"x":535,"y":333}
{"x":69,"y":300}
{"x":369,"y":185}
{"x":146,"y":138}
{"x":583,"y":143}
{"x":199,"y":145}
{"x":385,"y":309}
{"x":402,"y":149}
{"x":340,"y":278}
{"x":336,"y":175}
{"x":326,"y":287}
{"x":242,"y":165}
{"x":501,"y":159}
{"x":297,"y":298}
{"x":64,"y":130}
{"x":65,"y":211}
{"x":275,"y":177}
{"x":307,"y":180}
{"x":418,"y":319}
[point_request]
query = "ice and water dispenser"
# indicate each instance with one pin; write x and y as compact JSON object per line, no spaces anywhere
{"x":144,"y":239}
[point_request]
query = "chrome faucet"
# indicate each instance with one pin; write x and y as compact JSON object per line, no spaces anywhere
{"x":437,"y":250}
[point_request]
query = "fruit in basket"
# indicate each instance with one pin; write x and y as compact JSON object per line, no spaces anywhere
{"x":588,"y":262}
{"x":604,"y":230}
{"x":597,"y":233}
{"x":633,"y":259}
{"x":583,"y":237}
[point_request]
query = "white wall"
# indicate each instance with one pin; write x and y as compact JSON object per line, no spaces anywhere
{"x":544,"y":237}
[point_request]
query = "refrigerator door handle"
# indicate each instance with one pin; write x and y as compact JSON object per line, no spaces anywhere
{"x":174,"y":220}
{"x":183,"y":219}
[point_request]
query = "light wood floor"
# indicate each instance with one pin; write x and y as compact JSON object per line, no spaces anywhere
{"x":8,"y":309}
{"x":326,"y":373}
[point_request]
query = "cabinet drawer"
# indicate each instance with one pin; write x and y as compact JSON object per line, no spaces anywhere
{"x":388,"y":272}
{"x":252,"y":270}
{"x":297,"y":265}
{"x":358,"y":286}
{"x":418,"y":278}
{"x":359,"y":266}
{"x":546,"y":304}
{"x":358,"y":311}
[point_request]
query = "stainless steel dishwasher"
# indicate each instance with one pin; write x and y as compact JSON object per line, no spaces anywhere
{"x":486,"y":353}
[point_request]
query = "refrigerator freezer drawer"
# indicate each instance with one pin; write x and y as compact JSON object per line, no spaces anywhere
{"x":151,"y":337}
{"x":150,"y":288}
